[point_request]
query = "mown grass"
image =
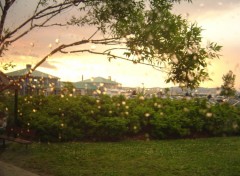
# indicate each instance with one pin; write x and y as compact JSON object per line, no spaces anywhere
{"x":199,"y":157}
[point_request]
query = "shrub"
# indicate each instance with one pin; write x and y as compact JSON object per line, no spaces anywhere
{"x":111,"y":118}
{"x":47,"y":127}
{"x":224,"y":120}
{"x":133,"y":124}
{"x":111,"y":128}
{"x":171,"y":126}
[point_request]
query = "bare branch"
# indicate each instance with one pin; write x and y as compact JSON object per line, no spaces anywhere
{"x":35,"y":11}
{"x":93,"y":34}
{"x":108,"y":41}
{"x":100,"y":41}
{"x":5,"y":9}
{"x":50,"y":25}
{"x":61,"y":49}
{"x":113,"y":56}
{"x":58,"y":49}
{"x":39,"y":15}
{"x":111,"y":49}
{"x":50,"y":12}
{"x":34,"y":26}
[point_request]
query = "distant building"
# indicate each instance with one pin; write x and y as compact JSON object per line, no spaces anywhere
{"x":37,"y":83}
{"x":85,"y":88}
{"x":97,"y":85}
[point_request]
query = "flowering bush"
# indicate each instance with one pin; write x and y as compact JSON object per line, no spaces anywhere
{"x":64,"y":118}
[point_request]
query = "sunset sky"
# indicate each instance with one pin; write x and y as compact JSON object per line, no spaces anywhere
{"x":220,"y":21}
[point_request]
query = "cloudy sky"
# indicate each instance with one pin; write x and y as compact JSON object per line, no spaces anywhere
{"x":218,"y":19}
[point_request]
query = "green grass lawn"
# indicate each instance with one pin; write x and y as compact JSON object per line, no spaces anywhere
{"x":205,"y":157}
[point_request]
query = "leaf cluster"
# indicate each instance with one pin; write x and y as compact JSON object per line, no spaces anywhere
{"x":228,"y":89}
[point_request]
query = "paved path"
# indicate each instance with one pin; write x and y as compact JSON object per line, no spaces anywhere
{"x":7,"y":169}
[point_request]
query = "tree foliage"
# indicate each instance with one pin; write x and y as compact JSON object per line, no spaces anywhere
{"x":139,"y":31}
{"x":68,"y":88}
{"x":227,"y":89}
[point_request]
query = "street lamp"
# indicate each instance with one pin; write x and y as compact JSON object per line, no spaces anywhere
{"x":143,"y":88}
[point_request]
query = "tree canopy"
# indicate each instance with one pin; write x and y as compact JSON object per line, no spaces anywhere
{"x":140,"y":31}
{"x":227,"y":89}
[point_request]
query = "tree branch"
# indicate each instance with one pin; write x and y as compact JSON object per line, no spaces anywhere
{"x":108,"y":41}
{"x":34,"y":26}
{"x":52,"y":11}
{"x":112,"y":56}
{"x":93,"y":34}
{"x":42,"y":14}
{"x":60,"y":49}
{"x":59,"y":8}
{"x":50,"y":25}
{"x":35,"y":11}
{"x":8,"y":4}
{"x":16,"y":82}
{"x":111,"y":49}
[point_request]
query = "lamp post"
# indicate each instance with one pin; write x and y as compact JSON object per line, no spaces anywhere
{"x":143,"y":88}
{"x":16,"y":122}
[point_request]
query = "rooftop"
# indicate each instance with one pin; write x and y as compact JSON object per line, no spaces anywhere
{"x":85,"y":85}
{"x":91,"y":83}
{"x":35,"y":73}
{"x":99,"y":80}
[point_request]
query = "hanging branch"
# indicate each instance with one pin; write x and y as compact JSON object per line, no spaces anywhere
{"x":109,"y":55}
{"x":16,"y":82}
{"x":78,"y":43}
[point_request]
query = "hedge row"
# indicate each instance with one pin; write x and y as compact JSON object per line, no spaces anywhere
{"x":64,"y":118}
